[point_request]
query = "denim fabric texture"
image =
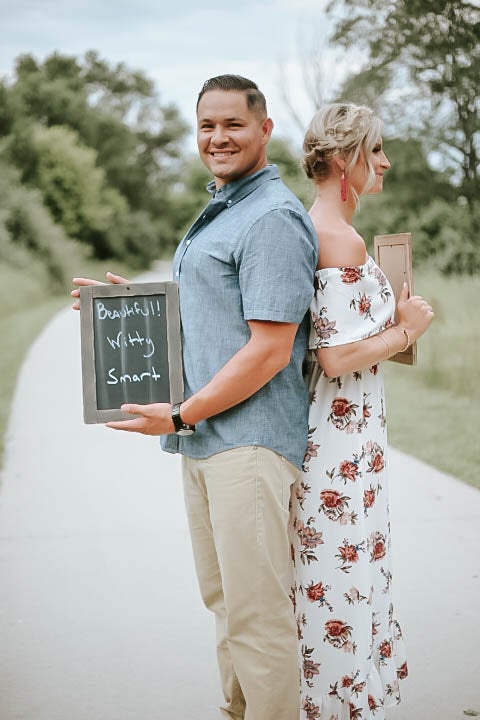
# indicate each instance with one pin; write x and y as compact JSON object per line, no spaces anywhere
{"x":250,"y":255}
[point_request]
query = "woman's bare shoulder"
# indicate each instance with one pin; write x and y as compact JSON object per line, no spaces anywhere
{"x":340,"y":246}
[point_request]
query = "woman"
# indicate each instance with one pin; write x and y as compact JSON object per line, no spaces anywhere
{"x":351,"y":653}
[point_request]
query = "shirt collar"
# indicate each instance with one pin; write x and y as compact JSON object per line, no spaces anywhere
{"x":236,"y":190}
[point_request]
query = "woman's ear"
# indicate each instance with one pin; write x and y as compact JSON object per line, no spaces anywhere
{"x":340,"y":162}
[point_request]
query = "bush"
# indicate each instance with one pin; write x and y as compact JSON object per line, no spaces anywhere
{"x":30,"y":241}
{"x":446,"y":237}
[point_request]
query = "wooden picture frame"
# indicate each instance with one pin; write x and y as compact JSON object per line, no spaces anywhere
{"x":131,"y":347}
{"x":393,"y":254}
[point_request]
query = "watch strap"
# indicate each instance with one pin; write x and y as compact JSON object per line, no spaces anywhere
{"x":178,"y":423}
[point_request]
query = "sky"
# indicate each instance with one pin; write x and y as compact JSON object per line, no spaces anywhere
{"x":181,"y":44}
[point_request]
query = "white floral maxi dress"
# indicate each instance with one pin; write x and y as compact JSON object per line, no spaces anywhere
{"x":350,"y":647}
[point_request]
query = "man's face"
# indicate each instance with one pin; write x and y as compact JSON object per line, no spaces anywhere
{"x":231,"y":138}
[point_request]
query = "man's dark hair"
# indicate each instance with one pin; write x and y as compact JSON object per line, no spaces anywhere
{"x":255,"y":98}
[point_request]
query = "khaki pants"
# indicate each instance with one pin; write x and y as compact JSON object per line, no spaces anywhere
{"x":238,"y":507}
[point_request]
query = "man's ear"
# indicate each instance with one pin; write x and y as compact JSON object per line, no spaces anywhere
{"x":267,"y":127}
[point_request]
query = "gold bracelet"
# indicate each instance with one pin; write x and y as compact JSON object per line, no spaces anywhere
{"x":384,"y":340}
{"x":405,"y":332}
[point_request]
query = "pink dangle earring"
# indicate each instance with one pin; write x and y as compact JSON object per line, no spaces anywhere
{"x":343,"y":187}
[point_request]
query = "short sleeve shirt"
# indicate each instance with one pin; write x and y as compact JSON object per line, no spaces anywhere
{"x":250,"y":255}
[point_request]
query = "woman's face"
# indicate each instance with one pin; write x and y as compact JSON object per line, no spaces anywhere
{"x":378,"y":161}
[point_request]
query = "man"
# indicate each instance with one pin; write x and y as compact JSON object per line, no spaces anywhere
{"x":245,"y":271}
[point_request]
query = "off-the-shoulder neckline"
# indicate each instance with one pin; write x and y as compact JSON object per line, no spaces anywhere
{"x":344,"y":267}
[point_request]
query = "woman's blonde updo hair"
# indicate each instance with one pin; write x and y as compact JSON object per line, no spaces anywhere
{"x":340,"y":129}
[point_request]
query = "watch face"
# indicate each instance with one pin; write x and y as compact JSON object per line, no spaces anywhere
{"x":185,"y":431}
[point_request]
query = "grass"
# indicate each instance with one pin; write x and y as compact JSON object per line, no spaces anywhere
{"x":27,"y":305}
{"x":433,"y":408}
{"x":22,"y":327}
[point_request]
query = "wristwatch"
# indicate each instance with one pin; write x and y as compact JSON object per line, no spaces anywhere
{"x":181,"y":428}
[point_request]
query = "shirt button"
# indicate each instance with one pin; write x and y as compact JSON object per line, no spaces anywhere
{"x":229,"y":202}
{"x":177,"y":274}
{"x":203,"y":217}
{"x":188,"y":242}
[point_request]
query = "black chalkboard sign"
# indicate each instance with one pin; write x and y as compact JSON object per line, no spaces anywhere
{"x":131,"y":348}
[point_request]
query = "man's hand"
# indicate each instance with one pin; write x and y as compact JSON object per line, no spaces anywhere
{"x":82,"y":282}
{"x":155,"y":419}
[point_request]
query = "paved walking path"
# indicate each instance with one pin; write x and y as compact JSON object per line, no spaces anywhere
{"x":100,"y":615}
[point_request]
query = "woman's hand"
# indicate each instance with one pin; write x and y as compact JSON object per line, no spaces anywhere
{"x":83,"y":282}
{"x":413,"y":313}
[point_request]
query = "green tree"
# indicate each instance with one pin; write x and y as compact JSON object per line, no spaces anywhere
{"x":136,"y":142}
{"x":73,"y":187}
{"x":280,"y":153}
{"x":30,"y":241}
{"x":422,"y":58}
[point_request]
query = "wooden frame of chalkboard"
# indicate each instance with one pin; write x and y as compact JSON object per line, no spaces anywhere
{"x":131,"y":347}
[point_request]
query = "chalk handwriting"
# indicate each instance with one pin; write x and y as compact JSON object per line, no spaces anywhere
{"x":123,"y":340}
{"x":152,"y":308}
{"x":131,"y":378}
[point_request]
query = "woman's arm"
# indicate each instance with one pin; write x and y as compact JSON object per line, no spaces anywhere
{"x":413,"y":317}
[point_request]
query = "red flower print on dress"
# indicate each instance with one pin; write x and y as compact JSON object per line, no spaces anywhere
{"x":341,"y":413}
{"x":310,"y":668}
{"x":368,"y":498}
{"x":358,"y":687}
{"x":338,"y":634}
{"x":355,"y":713}
{"x":372,"y":704}
{"x":377,"y":545}
{"x":348,"y":554}
{"x":301,"y":622}
{"x":353,"y":596}
{"x":388,"y":581}
{"x":376,"y":462}
{"x":324,"y":328}
{"x":337,"y":629}
{"x":311,"y":450}
{"x":309,"y":537}
{"x":348,"y":470}
{"x":402,"y":671}
{"x":312,"y":710}
{"x":333,"y":504}
{"x":350,"y":275}
{"x":341,"y":407}
{"x":363,"y":305}
{"x":385,"y":651}
{"x":332,"y":498}
{"x":382,"y":416}
{"x":315,"y":592}
{"x":302,"y":489}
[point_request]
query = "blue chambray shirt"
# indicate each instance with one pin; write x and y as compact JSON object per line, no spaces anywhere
{"x":250,"y":255}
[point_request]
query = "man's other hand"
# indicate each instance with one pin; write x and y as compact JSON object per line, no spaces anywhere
{"x":154,"y":419}
{"x":83,"y":282}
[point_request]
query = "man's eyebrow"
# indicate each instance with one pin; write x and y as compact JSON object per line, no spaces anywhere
{"x":234,"y":118}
